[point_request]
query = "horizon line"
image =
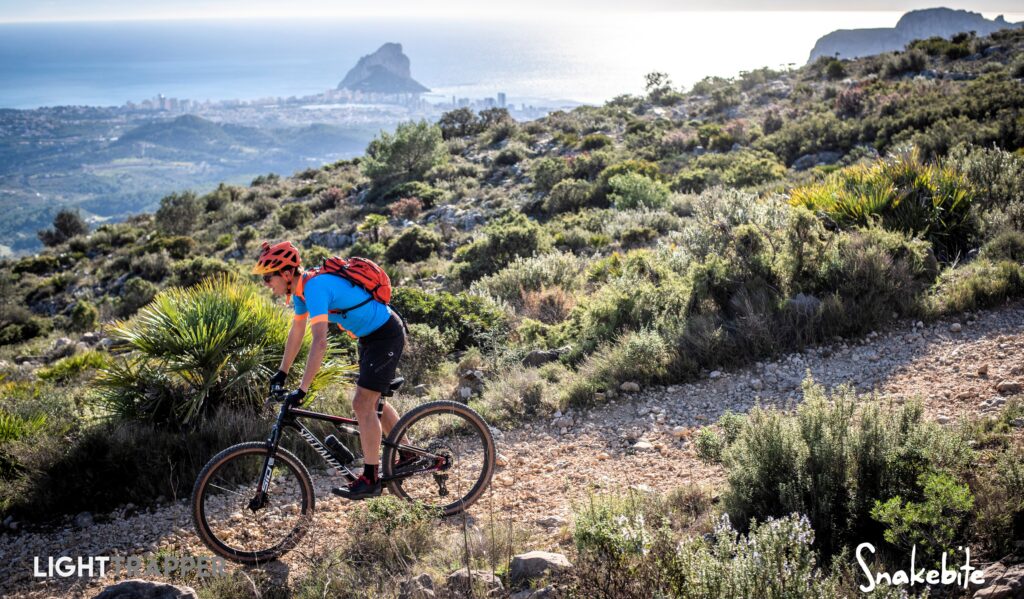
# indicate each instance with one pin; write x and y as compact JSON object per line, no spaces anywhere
{"x":462,"y":15}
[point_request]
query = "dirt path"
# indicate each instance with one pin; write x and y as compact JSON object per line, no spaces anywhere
{"x":639,"y":440}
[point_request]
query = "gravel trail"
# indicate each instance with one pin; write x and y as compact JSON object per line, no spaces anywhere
{"x":640,"y":440}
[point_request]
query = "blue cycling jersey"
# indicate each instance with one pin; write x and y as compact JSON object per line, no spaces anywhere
{"x":323,"y":297}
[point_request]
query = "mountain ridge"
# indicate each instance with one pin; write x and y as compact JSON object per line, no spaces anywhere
{"x":916,"y":24}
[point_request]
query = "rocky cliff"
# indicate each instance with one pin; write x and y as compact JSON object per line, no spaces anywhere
{"x":386,"y":71}
{"x":917,"y":24}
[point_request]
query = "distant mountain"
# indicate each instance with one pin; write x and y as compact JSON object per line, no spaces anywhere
{"x":917,"y":24}
{"x":386,"y":71}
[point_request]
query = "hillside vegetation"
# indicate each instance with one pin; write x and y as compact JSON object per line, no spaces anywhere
{"x":541,"y":265}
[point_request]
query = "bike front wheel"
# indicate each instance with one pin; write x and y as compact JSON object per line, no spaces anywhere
{"x":457,"y":457}
{"x":229,"y":518}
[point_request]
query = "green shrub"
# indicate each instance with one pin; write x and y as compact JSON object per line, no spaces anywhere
{"x":939,"y":46}
{"x":84,"y":316}
{"x":547,"y":172}
{"x":66,"y":224}
{"x":136,"y":293}
{"x":393,"y":533}
{"x":632,"y":190}
{"x":461,"y":122}
{"x":903,"y":194}
{"x":406,"y":155}
{"x":152,"y":267}
{"x":504,"y":239}
{"x":656,"y":298}
{"x":472,"y":319}
{"x":627,"y":548}
{"x":834,"y":70}
{"x":978,"y":284}
{"x":997,"y":177}
{"x":1008,"y":245}
{"x":430,"y":196}
{"x":513,"y":154}
{"x":37,"y":265}
{"x":833,"y":460}
{"x":999,"y":501}
{"x":911,"y":61}
{"x":776,"y":558}
{"x":294,"y":216}
{"x":610,"y":530}
{"x":532,"y":274}
{"x":17,"y":324}
{"x":605,"y":175}
{"x":498,"y":125}
{"x":193,"y":271}
{"x":178,"y":213}
{"x":415,"y":244}
{"x":708,"y":444}
{"x":744,"y":168}
{"x":868,"y":276}
{"x":715,"y":138}
{"x":178,"y":247}
{"x":935,"y":524}
{"x":815,"y":133}
{"x":111,"y":464}
{"x":196,"y":350}
{"x":595,"y":141}
{"x":638,"y":356}
{"x":427,"y":350}
{"x":568,"y":195}
{"x":70,"y":368}
{"x":513,"y":395}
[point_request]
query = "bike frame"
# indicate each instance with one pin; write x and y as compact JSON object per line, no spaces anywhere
{"x":289,"y":417}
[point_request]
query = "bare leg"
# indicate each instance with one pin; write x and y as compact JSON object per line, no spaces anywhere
{"x":365,"y":406}
{"x":389,"y":419}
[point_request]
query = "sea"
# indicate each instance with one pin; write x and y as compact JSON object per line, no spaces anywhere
{"x":586,"y":58}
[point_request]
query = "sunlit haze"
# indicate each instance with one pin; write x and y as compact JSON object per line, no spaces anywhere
{"x":72,"y":10}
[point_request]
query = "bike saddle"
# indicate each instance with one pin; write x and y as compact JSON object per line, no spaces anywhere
{"x":395,"y":384}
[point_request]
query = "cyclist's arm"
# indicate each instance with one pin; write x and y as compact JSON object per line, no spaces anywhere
{"x":316,"y":353}
{"x":294,"y":342}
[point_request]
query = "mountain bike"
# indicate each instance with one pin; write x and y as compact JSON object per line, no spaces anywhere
{"x":254,"y":501}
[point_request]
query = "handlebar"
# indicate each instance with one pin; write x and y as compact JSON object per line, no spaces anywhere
{"x":277,"y":394}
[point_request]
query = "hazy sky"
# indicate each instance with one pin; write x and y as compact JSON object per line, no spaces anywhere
{"x":64,"y":10}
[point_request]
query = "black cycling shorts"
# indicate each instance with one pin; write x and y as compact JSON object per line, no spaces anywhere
{"x":379,"y":353}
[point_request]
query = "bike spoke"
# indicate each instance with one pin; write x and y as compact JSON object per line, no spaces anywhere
{"x":227,"y":504}
{"x":461,"y":459}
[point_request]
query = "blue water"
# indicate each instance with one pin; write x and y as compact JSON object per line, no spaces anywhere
{"x":110,"y":63}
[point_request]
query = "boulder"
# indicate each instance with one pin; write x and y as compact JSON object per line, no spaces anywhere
{"x":144,"y":589}
{"x":536,"y":564}
{"x":551,"y":522}
{"x":418,"y":587}
{"x":461,"y":583}
{"x":539,"y":357}
{"x":1008,"y":387}
{"x":808,"y":160}
{"x":544,"y":593}
{"x":1002,"y":581}
{"x":629,"y":387}
{"x":83,"y":520}
{"x":61,"y":348}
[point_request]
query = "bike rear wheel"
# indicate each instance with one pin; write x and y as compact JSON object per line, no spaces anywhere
{"x":464,"y":463}
{"x":228,"y":519}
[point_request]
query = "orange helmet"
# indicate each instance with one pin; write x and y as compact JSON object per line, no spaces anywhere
{"x":275,"y":257}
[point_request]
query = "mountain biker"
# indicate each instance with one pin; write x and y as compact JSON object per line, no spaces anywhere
{"x":327,"y":299}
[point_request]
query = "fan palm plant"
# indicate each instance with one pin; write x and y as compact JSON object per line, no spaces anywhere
{"x":901,"y":193}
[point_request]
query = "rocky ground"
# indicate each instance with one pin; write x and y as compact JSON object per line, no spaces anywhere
{"x":641,"y":438}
